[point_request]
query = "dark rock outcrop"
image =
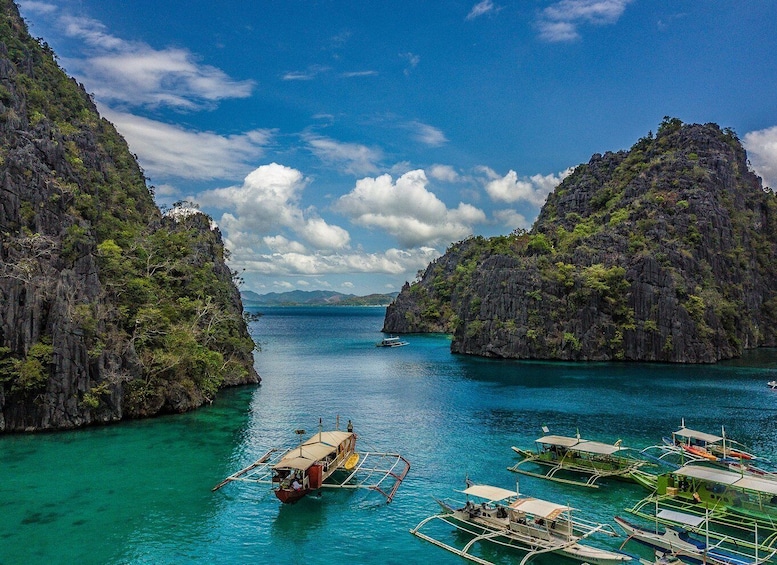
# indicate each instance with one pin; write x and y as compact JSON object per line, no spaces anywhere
{"x":663,"y":253}
{"x":79,"y":230}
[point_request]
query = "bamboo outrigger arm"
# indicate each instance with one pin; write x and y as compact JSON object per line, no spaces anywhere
{"x":385,"y":468}
{"x":443,"y":545}
{"x":239,"y":474}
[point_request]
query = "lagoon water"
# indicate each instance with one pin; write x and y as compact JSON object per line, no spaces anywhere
{"x":140,"y":492}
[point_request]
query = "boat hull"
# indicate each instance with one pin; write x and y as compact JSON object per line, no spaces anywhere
{"x":290,"y":496}
{"x":593,"y":555}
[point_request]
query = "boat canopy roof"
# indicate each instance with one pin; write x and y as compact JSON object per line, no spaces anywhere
{"x":731,"y":478}
{"x":562,"y":441}
{"x":487,"y":492}
{"x":583,"y":445}
{"x":701,"y":436}
{"x":537,"y":507}
{"x":315,"y":449}
{"x":331,"y":438}
{"x":681,"y":517}
{"x":297,"y":463}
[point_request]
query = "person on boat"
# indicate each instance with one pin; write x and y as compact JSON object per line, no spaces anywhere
{"x":349,"y":427}
{"x":295,"y":485}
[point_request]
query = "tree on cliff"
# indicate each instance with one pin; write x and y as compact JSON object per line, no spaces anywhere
{"x":109,"y":309}
{"x":664,"y":252}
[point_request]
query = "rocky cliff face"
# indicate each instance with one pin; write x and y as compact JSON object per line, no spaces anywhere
{"x":661,"y":253}
{"x":87,"y":264}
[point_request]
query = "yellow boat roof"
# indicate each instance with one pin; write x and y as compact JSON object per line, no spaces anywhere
{"x":318,"y":447}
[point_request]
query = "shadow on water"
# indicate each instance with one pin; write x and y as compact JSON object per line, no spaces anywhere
{"x":301,"y":520}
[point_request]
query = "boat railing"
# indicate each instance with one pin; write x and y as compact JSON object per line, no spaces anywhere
{"x":733,"y":530}
{"x":585,"y":528}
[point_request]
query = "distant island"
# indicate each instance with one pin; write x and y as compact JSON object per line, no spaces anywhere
{"x":314,"y":298}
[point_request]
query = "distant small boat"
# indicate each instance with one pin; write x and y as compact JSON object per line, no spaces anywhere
{"x":391,"y":342}
{"x":772,"y":385}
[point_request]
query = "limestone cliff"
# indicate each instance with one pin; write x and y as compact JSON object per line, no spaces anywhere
{"x":665,"y":252}
{"x":108,"y":309}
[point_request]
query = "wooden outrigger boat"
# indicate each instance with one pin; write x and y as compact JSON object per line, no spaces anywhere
{"x":580,"y":457}
{"x":687,"y":445}
{"x":531,"y":525}
{"x":678,"y":542}
{"x":391,"y":341}
{"x":709,"y":446}
{"x":729,"y":498}
{"x":328,"y":459}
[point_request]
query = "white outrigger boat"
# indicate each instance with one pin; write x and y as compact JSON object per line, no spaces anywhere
{"x":678,"y":542}
{"x":687,"y":445}
{"x":531,"y":525}
{"x":578,"y":456}
{"x":696,"y":488}
{"x":391,"y":341}
{"x":328,"y":459}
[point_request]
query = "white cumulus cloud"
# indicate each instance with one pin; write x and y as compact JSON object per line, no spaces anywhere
{"x":510,"y":188}
{"x":561,"y":21}
{"x":290,"y":263}
{"x":512,"y":219}
{"x":761,"y":149}
{"x":267,"y":205}
{"x":407,"y":210}
{"x":444,"y":173}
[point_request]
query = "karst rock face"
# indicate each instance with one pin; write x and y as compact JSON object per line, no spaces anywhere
{"x":665,"y":252}
{"x":88,"y":263}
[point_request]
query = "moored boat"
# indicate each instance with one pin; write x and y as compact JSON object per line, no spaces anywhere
{"x":577,"y":456}
{"x":532,"y":525}
{"x":326,"y":459}
{"x":305,"y":469}
{"x":688,"y":445}
{"x":391,"y":341}
{"x":678,"y":542}
{"x":729,"y":499}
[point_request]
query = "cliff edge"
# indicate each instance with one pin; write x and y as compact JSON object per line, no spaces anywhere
{"x":108,"y":309}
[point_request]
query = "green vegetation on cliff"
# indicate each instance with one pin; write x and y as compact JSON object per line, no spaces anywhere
{"x":110,"y":310}
{"x":660,"y":253}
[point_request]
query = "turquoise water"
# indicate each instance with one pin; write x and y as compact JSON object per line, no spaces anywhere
{"x":139,"y":492}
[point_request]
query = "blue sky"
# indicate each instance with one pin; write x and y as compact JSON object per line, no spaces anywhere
{"x":345,"y":145}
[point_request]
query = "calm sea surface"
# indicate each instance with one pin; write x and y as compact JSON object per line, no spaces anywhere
{"x":140,"y":492}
